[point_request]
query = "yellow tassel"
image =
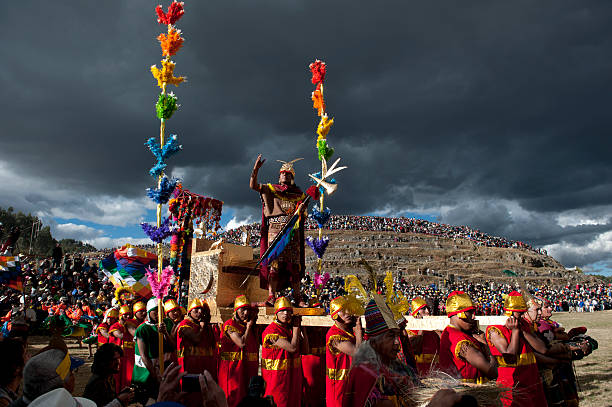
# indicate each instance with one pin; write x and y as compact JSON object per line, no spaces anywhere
{"x":166,"y":74}
{"x":324,"y":126}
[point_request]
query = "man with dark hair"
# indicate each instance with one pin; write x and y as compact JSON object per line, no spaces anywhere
{"x":101,"y":385}
{"x":12,"y":352}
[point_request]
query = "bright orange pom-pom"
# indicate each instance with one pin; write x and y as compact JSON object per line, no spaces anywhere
{"x":171,"y":43}
{"x":318,"y":102}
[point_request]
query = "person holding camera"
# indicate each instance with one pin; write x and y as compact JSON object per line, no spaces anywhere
{"x":239,"y":351}
{"x":282,"y":343}
{"x":101,"y":387}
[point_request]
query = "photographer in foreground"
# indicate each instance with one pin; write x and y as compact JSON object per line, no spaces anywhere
{"x":101,"y":385}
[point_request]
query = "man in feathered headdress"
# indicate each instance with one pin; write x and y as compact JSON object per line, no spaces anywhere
{"x":279,"y":202}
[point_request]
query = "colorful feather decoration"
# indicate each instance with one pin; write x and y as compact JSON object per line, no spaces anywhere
{"x":175,"y":12}
{"x":166,"y":74}
{"x":324,"y":126}
{"x":320,"y":217}
{"x":158,"y":234}
{"x":170,"y":43}
{"x":325,"y":152}
{"x":162,"y":154}
{"x":160,"y":287}
{"x":162,"y":194}
{"x":318,"y":245}
{"x":318,"y":69}
{"x":166,"y":105}
{"x":317,"y":101}
{"x":320,"y":280}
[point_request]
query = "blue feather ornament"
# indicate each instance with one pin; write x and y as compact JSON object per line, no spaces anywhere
{"x":320,"y":217}
{"x":162,"y":194}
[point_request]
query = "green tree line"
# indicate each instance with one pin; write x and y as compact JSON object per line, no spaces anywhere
{"x":35,"y":235}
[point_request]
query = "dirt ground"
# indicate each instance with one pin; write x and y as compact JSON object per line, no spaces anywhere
{"x":594,"y":372}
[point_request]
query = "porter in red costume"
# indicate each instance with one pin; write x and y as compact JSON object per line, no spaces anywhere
{"x":461,"y":355}
{"x":238,"y":351}
{"x":122,"y":334}
{"x":140,"y":312}
{"x":110,"y":318}
{"x":196,"y":340}
{"x":281,"y":365}
{"x":517,"y":367}
{"x":342,"y":341}
{"x":426,"y":344}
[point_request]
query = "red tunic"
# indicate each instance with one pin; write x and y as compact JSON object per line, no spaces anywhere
{"x":450,"y":362}
{"x":313,"y":368}
{"x":101,"y":339}
{"x":124,"y":377}
{"x":281,"y":370}
{"x":522,"y":374}
{"x":427,"y":360}
{"x":236,"y":365}
{"x":338,"y":365}
{"x":194,"y":358}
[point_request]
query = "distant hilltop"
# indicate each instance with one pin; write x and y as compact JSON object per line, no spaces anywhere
{"x":423,"y":251}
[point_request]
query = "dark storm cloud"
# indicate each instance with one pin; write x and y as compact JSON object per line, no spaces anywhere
{"x":436,"y":104}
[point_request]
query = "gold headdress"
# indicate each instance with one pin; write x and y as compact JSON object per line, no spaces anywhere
{"x":514,"y":302}
{"x":281,"y":304}
{"x":416,"y":304}
{"x":288,"y":166}
{"x":125,"y":309}
{"x":139,"y":306}
{"x":197,"y":303}
{"x":457,"y":303}
{"x":170,"y":305}
{"x":241,"y":301}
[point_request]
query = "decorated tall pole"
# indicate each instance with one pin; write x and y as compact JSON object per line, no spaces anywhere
{"x":166,"y":105}
{"x":326,"y":184}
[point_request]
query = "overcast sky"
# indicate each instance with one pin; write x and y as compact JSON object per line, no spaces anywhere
{"x":493,"y":114}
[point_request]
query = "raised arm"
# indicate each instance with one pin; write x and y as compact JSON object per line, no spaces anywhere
{"x":241,"y":340}
{"x":253,"y":184}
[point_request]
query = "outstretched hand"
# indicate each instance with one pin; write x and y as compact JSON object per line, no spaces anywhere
{"x":212,"y":394}
{"x":258,"y":163}
{"x":169,"y":384}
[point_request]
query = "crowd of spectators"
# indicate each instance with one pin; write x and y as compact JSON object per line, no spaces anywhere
{"x":397,"y":225}
{"x":487,"y":296}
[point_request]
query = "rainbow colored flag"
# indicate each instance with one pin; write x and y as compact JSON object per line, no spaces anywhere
{"x":126,"y":268}
{"x":279,"y":244}
{"x":10,"y":272}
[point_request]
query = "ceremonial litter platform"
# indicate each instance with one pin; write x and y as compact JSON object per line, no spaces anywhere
{"x":221,"y":271}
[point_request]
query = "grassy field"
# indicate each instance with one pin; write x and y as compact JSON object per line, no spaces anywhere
{"x":594,"y":372}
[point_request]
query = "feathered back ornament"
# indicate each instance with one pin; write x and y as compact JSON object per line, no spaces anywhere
{"x":357,"y":297}
{"x":396,"y":300}
{"x":371,"y":274}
